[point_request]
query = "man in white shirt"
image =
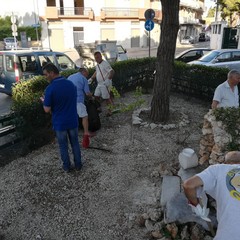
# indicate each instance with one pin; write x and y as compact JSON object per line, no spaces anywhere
{"x":104,"y":74}
{"x":226,"y":94}
{"x":222,"y":182}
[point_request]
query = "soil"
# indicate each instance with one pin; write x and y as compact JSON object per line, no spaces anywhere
{"x":116,"y":185}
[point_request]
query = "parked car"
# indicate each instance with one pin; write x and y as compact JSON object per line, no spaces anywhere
{"x":9,"y":43}
{"x":207,"y":37}
{"x":188,"y":40}
{"x":22,"y":64}
{"x":227,"y":58}
{"x":202,"y":37}
{"x":192,"y":54}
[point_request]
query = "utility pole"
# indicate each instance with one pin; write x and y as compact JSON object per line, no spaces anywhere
{"x":216,"y":14}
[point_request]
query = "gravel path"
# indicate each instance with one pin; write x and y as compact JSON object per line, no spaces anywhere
{"x":101,"y":202}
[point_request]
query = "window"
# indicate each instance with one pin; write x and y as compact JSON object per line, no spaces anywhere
{"x":28,"y":63}
{"x":10,"y":63}
{"x":224,"y":57}
{"x":64,"y":62}
{"x":236,"y":56}
{"x":51,"y":3}
{"x":45,"y":60}
{"x":1,"y":62}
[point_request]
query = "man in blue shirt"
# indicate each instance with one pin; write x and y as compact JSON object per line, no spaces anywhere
{"x":60,"y":100}
{"x":80,"y":81}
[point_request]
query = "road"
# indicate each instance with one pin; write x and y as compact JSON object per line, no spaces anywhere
{"x":5,"y":101}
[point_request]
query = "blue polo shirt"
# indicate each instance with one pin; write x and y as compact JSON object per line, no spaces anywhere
{"x":81,"y":84}
{"x":61,"y":96}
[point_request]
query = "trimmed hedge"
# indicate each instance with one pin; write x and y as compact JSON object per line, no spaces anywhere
{"x":32,"y":123}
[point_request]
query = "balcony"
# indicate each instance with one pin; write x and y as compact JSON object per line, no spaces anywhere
{"x":67,"y":12}
{"x":196,"y":5}
{"x":127,"y":13}
{"x":188,"y":20}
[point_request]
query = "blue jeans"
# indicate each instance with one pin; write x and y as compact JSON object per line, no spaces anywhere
{"x":62,"y":137}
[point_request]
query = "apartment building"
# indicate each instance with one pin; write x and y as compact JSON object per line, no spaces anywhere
{"x":190,"y":18}
{"x":67,"y":23}
{"x":84,"y":21}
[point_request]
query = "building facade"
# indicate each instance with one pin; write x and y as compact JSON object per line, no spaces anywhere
{"x":191,"y":18}
{"x":67,"y":23}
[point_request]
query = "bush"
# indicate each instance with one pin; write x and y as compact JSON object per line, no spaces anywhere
{"x":197,"y":80}
{"x":32,"y":122}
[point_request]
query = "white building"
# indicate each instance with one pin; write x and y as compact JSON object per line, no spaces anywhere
{"x":66,"y":23}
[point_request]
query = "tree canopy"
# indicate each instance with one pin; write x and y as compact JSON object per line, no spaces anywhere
{"x":211,"y":12}
{"x":228,"y":8}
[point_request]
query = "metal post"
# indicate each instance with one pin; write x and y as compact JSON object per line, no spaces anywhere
{"x":149,"y":39}
{"x":216,"y":17}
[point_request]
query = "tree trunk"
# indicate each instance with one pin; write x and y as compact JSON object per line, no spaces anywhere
{"x":165,"y":60}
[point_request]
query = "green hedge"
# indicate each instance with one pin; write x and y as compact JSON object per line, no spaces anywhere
{"x":30,"y":32}
{"x":32,"y":123}
{"x":197,"y":80}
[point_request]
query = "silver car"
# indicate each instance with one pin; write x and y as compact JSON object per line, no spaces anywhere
{"x":227,"y":58}
{"x":10,"y":43}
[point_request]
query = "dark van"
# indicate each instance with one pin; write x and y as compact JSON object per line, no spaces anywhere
{"x":16,"y":65}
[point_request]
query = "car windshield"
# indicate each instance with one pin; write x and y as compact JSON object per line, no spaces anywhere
{"x":9,"y":40}
{"x":209,"y":57}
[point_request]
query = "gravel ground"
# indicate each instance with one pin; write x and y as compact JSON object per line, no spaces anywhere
{"x":101,"y":202}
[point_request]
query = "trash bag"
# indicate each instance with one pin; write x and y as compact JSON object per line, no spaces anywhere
{"x":92,"y":106}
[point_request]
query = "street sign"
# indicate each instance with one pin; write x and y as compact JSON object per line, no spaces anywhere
{"x":14,"y":27}
{"x":36,"y":25}
{"x":14,"y":34}
{"x":149,"y":14}
{"x":149,"y":25}
{"x":13,"y":19}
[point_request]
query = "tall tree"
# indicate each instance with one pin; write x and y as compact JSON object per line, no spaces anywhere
{"x":211,"y":12}
{"x":165,"y":60}
{"x":228,"y":7}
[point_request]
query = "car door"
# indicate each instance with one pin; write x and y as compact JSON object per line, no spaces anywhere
{"x":190,"y":56}
{"x":222,"y":60}
{"x":235,"y":61}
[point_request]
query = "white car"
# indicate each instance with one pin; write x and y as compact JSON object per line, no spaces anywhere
{"x":227,"y":58}
{"x":188,"y":40}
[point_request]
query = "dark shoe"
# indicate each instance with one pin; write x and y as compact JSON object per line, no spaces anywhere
{"x":85,"y":141}
{"x":78,"y":168}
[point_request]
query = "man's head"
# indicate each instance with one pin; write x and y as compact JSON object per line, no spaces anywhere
{"x":232,"y":157}
{"x":50,"y":71}
{"x":83,"y":71}
{"x":233,"y":77}
{"x":98,"y":57}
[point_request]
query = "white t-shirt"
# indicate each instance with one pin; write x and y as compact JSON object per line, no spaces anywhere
{"x":104,"y":73}
{"x":222,"y":182}
{"x":225,"y":96}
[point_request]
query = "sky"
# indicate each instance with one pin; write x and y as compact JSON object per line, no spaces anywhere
{"x":209,"y":3}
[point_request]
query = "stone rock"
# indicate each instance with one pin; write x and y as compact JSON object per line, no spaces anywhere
{"x":156,"y":234}
{"x":149,"y":225}
{"x":140,"y":221}
{"x":177,"y":210}
{"x":170,"y":188}
{"x":145,"y":216}
{"x":206,"y":131}
{"x":185,"y":234}
{"x":153,"y":125}
{"x":203,"y":159}
{"x":154,"y":214}
{"x":155,"y":173}
{"x":197,"y":233}
{"x":173,"y":229}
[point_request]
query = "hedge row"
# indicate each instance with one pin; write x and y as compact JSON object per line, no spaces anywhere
{"x":32,"y":123}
